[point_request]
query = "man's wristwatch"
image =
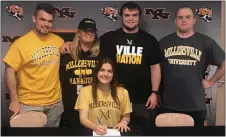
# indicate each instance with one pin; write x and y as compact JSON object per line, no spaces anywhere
{"x":156,"y":92}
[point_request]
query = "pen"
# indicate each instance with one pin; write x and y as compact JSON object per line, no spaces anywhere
{"x":101,"y":124}
{"x":99,"y":120}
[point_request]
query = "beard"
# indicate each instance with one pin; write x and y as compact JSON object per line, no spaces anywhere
{"x":42,"y":32}
{"x":128,"y":28}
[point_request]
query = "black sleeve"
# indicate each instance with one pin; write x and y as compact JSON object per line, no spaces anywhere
{"x":62,"y":70}
{"x":154,"y":51}
{"x":215,"y":55}
{"x":103,"y":46}
{"x":106,"y":48}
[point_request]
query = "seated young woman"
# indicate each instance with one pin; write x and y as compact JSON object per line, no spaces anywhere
{"x":104,"y":104}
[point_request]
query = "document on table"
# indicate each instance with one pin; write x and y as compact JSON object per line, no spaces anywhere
{"x":110,"y":132}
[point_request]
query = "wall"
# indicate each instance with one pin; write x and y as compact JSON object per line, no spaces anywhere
{"x":159,"y":22}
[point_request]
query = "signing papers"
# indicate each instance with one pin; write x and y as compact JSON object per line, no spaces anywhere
{"x":110,"y":132}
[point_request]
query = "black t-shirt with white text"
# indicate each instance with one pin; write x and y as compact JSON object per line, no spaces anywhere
{"x":184,"y":62}
{"x":133,"y":54}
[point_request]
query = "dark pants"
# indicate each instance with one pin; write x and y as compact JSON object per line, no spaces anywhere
{"x":198,"y":116}
{"x":142,"y":120}
{"x":70,"y":119}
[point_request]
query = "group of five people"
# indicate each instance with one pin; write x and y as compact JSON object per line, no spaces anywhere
{"x":114,"y":80}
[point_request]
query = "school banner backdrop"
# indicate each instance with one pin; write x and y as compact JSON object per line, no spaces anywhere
{"x":157,"y":18}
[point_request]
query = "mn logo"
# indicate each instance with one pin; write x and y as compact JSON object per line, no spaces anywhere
{"x":157,"y":14}
{"x":9,"y":38}
{"x":65,"y":13}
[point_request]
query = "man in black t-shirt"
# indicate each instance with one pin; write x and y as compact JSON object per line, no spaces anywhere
{"x":185,"y":56}
{"x":135,"y":52}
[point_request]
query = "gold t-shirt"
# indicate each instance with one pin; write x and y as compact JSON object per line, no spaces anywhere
{"x":36,"y":62}
{"x":105,"y":109}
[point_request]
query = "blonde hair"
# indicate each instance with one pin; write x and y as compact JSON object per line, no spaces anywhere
{"x":75,"y":49}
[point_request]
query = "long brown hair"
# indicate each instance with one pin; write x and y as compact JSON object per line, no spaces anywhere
{"x":113,"y":83}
